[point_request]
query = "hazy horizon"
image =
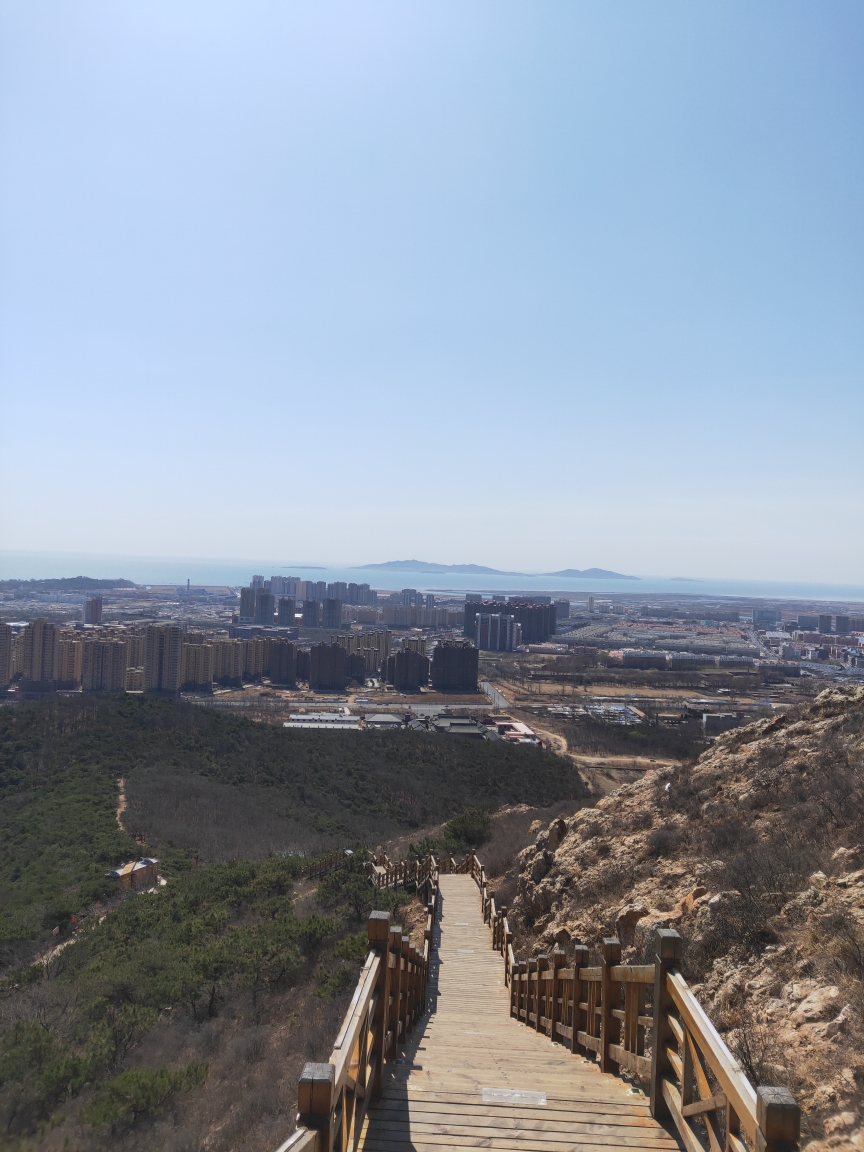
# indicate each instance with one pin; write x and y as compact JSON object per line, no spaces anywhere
{"x":238,"y":571}
{"x":472,"y":282}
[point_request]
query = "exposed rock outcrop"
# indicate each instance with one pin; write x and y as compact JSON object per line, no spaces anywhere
{"x":756,"y":855}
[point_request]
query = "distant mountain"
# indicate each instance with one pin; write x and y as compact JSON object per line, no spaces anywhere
{"x":440,"y":569}
{"x":479,"y":570}
{"x":591,"y":574}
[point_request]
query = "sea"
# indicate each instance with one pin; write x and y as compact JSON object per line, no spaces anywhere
{"x":162,"y":570}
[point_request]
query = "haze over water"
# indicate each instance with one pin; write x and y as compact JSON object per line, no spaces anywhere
{"x":173,"y":570}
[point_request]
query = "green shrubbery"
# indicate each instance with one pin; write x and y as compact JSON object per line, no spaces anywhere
{"x":215,"y":926}
{"x":470,"y":829}
{"x":140,"y":1092}
{"x":217,"y":930}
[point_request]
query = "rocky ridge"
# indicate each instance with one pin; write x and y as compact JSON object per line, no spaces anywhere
{"x":754,"y":854}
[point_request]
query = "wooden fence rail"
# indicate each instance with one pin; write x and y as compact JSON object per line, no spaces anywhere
{"x":599,"y":1011}
{"x":332,"y":1098}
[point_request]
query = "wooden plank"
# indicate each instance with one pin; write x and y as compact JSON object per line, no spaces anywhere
{"x":692,"y":1143}
{"x":709,"y":1105}
{"x":677,"y":1030}
{"x":730,"y":1076}
{"x":303,"y":1140}
{"x":378,"y":1141}
{"x":641,"y":1065}
{"x":633,"y":973}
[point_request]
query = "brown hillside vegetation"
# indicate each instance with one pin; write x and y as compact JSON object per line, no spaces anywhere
{"x":755,"y":853}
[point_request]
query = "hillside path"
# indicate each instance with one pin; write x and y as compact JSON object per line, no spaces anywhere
{"x":473,"y":1077}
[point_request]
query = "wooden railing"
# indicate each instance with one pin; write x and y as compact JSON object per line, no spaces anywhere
{"x":404,"y":873}
{"x":597,"y":1011}
{"x":600,"y":1011}
{"x":332,"y":1098}
{"x":320,"y":865}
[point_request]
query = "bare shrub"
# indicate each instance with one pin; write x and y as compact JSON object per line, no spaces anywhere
{"x":664,"y":840}
{"x":754,"y":1043}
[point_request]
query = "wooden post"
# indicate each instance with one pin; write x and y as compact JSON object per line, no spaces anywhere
{"x":580,"y":960}
{"x":405,"y":1008}
{"x":610,"y":997}
{"x":668,"y":946}
{"x":554,"y":1013}
{"x":378,"y":929}
{"x":542,"y":987}
{"x":315,"y":1100}
{"x":779,"y":1119}
{"x":533,"y":981}
{"x":394,"y":962}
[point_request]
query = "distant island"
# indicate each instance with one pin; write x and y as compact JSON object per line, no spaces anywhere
{"x":591,"y":574}
{"x":64,"y":584}
{"x":439,"y":569}
{"x":479,"y":570}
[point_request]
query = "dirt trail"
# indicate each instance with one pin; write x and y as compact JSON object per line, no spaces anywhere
{"x":121,"y":803}
{"x":602,"y":773}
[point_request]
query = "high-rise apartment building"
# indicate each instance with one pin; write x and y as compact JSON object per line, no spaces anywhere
{"x":825,"y":624}
{"x":338,"y":590}
{"x":429,"y":601}
{"x":311,"y":614}
{"x":808,"y":623}
{"x":103,"y":665}
{"x":496,"y":632}
{"x":414,"y":644}
{"x":407,"y":671}
{"x":5,"y":657}
{"x":283,"y":663}
{"x":454,"y":667}
{"x":562,"y":609}
{"x":287,"y":611}
{"x":256,"y":654}
{"x":538,"y":621}
{"x":70,"y":653}
{"x":332,"y":614}
{"x":197,"y":671}
{"x":91,"y":612}
{"x":841,"y":625}
{"x":360,"y":594}
{"x":327,"y":667}
{"x":257,"y":582}
{"x":247,"y":604}
{"x":163,"y":655}
{"x":265,"y":608}
{"x":229,"y":662}
{"x":40,"y":651}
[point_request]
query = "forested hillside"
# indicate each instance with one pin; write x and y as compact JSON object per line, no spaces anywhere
{"x":160,"y":1020}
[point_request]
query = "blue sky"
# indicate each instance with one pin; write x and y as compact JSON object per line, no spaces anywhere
{"x":532,"y":285}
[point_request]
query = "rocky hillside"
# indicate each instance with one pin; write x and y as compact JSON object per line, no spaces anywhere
{"x":754,"y":853}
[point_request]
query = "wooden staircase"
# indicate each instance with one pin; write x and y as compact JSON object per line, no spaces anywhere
{"x":463,"y":1046}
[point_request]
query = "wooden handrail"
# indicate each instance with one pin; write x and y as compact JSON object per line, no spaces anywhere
{"x":320,"y":865}
{"x":390,"y":997}
{"x":600,"y":1012}
{"x":597,"y":1011}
